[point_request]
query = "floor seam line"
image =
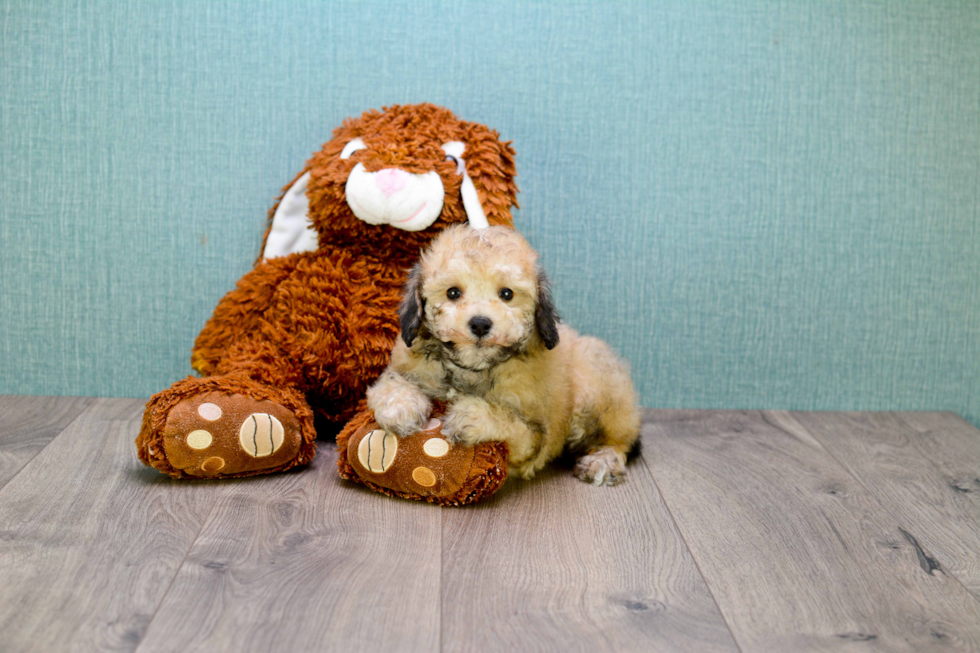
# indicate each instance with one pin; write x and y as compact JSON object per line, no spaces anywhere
{"x":77,"y":417}
{"x":690,"y":552}
{"x":177,"y":571}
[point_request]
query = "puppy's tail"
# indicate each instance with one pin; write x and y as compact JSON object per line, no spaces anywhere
{"x":634,"y":451}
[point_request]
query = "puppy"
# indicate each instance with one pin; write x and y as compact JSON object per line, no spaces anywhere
{"x":480,"y":333}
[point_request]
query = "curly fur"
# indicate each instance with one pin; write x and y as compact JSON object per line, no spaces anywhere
{"x":485,"y":338}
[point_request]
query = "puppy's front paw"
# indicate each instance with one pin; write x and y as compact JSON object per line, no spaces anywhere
{"x":398,"y":406}
{"x":462,"y":423}
{"x":604,"y":466}
{"x":402,"y":419}
{"x":455,"y":429}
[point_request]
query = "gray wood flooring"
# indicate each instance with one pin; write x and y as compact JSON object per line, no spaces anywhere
{"x":752,"y":531}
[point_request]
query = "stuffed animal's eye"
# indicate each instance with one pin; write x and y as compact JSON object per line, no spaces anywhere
{"x":353,"y":146}
{"x":458,"y":162}
{"x":506,"y":294}
{"x":454,"y":152}
{"x":454,"y":293}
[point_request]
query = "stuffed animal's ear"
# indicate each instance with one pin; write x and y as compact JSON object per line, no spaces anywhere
{"x":545,"y":316}
{"x":412,"y":306}
{"x":491,"y":169}
{"x":475,"y":215}
{"x":291,"y":230}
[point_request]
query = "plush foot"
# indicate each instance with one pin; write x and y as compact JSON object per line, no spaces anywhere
{"x":217,"y":434}
{"x":604,"y":466}
{"x":424,"y":465}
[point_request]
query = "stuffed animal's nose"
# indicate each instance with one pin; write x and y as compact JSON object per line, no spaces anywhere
{"x":390,"y":180}
{"x":480,"y":326}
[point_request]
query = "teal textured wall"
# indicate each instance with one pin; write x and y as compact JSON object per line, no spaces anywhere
{"x":760,"y":204}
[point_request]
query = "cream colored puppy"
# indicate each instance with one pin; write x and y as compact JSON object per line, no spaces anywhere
{"x":480,"y":333}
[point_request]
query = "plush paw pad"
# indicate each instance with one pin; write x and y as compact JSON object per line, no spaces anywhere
{"x":377,"y":451}
{"x":223,"y":435}
{"x":261,"y":435}
{"x":423,"y":463}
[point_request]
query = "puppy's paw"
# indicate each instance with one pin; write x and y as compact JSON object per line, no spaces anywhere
{"x":398,"y":406}
{"x":604,"y":466}
{"x":402,"y":420}
{"x":457,"y":430}
{"x":465,"y":421}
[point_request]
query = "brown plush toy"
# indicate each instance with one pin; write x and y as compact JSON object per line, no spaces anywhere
{"x":312,"y":324}
{"x":423,"y":466}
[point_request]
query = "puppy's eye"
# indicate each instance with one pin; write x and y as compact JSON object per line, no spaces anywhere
{"x":506,"y":294}
{"x":454,"y":293}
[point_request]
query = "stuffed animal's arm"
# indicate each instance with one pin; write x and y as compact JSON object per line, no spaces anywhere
{"x":239,"y":313}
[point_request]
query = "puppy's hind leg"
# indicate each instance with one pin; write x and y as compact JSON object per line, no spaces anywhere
{"x":618,"y":438}
{"x":609,"y":401}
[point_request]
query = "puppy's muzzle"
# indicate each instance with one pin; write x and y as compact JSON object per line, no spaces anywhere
{"x":480,"y":325}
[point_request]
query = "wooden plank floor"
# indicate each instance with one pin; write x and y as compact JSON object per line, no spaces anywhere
{"x":752,"y":531}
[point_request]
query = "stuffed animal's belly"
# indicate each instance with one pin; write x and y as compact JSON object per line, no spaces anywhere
{"x":336,"y":323}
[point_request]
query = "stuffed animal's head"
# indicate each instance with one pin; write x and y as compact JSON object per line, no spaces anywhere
{"x":395,"y":178}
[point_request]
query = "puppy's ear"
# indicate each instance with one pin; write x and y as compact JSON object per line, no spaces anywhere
{"x":545,"y":315}
{"x":410,"y":312}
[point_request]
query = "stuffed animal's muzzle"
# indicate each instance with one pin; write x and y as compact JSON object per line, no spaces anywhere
{"x":392,"y":196}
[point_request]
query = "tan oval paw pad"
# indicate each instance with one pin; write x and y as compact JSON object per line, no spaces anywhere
{"x":210,"y":412}
{"x":423,"y":476}
{"x":377,"y":451}
{"x":213,"y":465}
{"x":261,"y":435}
{"x":435,"y":447}
{"x":199,"y":439}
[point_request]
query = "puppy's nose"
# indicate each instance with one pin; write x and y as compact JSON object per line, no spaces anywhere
{"x":480,"y":326}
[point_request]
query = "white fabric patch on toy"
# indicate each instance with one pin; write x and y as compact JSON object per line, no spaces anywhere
{"x":292,"y":230}
{"x":394,"y":197}
{"x":471,"y":201}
